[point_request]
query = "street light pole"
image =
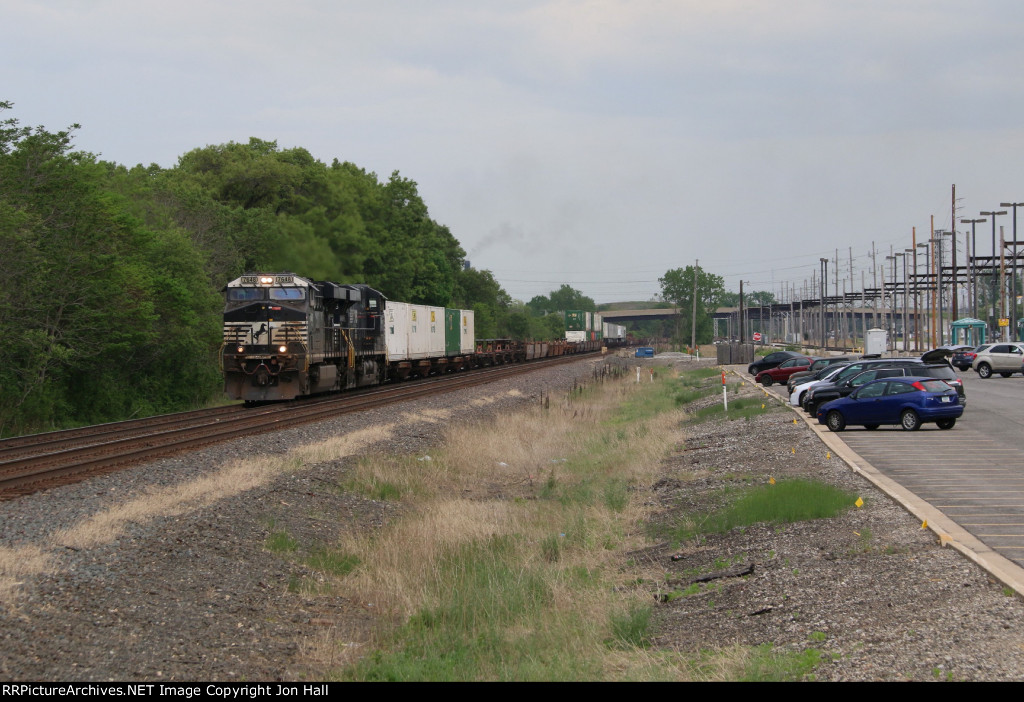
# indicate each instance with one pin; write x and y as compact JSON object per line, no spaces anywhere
{"x":993,"y":298}
{"x":973,"y":269}
{"x":824,"y":290}
{"x":1013,"y":279}
{"x":937,"y":262}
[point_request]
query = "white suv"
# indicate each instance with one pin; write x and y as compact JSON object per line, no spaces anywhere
{"x":1004,"y":359}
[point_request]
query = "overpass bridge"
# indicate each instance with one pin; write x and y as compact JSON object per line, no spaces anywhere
{"x":840,"y":318}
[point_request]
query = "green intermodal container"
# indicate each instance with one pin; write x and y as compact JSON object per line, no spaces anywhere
{"x":452,"y":332}
{"x":575,"y":320}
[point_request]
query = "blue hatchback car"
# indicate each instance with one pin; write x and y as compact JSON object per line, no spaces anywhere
{"x":909,"y":401}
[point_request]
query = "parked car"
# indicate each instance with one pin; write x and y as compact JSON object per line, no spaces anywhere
{"x":771,"y":361}
{"x":810,"y":404}
{"x":963,"y":358}
{"x":815,"y":368}
{"x":943,"y":372}
{"x":1004,"y":359}
{"x":908,"y":401}
{"x":943,"y":354}
{"x":823,"y":394}
{"x":823,"y":376}
{"x":781,"y":372}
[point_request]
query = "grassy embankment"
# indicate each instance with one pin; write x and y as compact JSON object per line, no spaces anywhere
{"x":510,"y":561}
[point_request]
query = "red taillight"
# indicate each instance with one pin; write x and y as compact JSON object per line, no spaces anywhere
{"x":917,"y":384}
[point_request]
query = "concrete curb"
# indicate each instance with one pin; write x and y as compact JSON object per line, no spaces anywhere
{"x":948,"y":531}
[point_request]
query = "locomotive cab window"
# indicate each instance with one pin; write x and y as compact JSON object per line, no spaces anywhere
{"x":287,"y":294}
{"x":245,"y":294}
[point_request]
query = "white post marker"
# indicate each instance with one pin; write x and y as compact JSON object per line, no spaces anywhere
{"x":638,"y":374}
{"x":725,"y":393}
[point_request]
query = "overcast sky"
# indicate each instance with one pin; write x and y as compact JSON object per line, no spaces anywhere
{"x":598,"y":143}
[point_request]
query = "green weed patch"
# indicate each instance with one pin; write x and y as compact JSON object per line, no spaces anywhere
{"x":786,"y":501}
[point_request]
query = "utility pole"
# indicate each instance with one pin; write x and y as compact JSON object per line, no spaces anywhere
{"x":693,"y":318}
{"x":824,"y":291}
{"x":1013,"y":273}
{"x":853,"y":308}
{"x":1002,"y":279}
{"x":917,"y":319}
{"x":874,"y":285}
{"x":742,"y":325}
{"x":952,"y":225}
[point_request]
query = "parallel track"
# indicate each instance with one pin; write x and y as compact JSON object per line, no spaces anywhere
{"x":40,"y":461}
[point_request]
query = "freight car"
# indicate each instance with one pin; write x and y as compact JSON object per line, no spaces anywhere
{"x":286,"y":336}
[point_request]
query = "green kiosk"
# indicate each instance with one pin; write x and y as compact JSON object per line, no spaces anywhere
{"x":975,"y":331}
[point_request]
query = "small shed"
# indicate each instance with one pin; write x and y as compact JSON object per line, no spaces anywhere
{"x":876,"y":342}
{"x":974,"y":331}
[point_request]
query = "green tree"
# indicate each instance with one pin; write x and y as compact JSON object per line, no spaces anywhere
{"x":677,"y":286}
{"x":101,"y":316}
{"x":759,"y":297}
{"x":568,"y":298}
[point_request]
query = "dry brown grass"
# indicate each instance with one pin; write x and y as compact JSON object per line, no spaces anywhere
{"x":484,"y":481}
{"x":430,"y":416}
{"x":18,"y":563}
{"x":228,"y":481}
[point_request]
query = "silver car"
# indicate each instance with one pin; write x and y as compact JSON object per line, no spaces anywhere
{"x":1004,"y":359}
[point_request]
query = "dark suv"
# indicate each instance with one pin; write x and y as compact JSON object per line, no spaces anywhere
{"x":818,"y":364}
{"x":772,"y":360}
{"x":820,"y":394}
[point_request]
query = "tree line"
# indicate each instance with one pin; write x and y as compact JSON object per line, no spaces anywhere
{"x":110,"y":277}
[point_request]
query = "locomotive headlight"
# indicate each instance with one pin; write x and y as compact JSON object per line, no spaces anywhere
{"x":240,"y":349}
{"x":266,"y":280}
{"x":282,"y":349}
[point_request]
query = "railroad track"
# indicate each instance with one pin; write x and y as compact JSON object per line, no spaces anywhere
{"x":41,"y":461}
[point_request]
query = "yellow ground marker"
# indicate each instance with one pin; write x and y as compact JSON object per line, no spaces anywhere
{"x":924,"y":524}
{"x":859,"y":503}
{"x":771,"y":480}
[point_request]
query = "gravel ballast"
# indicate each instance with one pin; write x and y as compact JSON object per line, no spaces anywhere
{"x":194,"y":593}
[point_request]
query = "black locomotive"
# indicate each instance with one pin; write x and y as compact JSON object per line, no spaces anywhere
{"x":286,"y":336}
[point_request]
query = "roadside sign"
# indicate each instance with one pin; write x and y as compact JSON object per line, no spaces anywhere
{"x":756,"y":336}
{"x":1004,"y":322}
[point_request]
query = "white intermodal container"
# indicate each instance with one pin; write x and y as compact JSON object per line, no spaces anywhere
{"x":468,"y":332}
{"x":435,"y":330}
{"x":396,"y":330}
{"x":419,"y":332}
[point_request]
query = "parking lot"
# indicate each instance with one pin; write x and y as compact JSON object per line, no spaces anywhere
{"x":974,"y":473}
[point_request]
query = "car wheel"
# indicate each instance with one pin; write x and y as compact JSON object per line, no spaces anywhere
{"x":766,"y":380}
{"x":946,"y":423}
{"x":871,"y":427}
{"x":835,"y":421}
{"x":1005,"y":374}
{"x":985,"y":370}
{"x":910,"y":421}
